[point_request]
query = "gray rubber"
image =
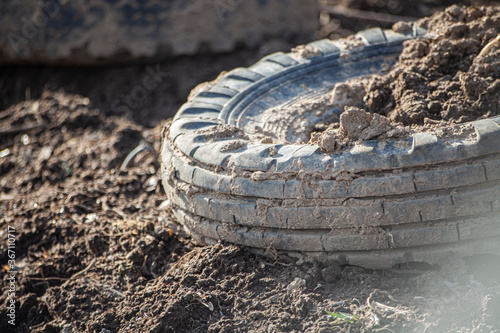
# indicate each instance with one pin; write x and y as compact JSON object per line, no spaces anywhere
{"x":110,"y":32}
{"x":376,"y":205}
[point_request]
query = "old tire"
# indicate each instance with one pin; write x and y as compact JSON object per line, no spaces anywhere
{"x":110,"y":32}
{"x":374,"y":205}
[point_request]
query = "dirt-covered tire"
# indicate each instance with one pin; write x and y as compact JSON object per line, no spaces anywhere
{"x":374,"y":205}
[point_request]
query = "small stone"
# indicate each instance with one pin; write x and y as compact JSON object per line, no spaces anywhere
{"x":273,"y":151}
{"x":353,"y":121}
{"x":358,"y":124}
{"x":151,"y":184}
{"x":329,"y":141}
{"x":454,"y":11}
{"x":44,"y":153}
{"x":90,"y":218}
{"x":163,"y":233}
{"x":296,"y":284}
{"x":402,"y":27}
{"x":164,"y":205}
{"x":174,"y":227}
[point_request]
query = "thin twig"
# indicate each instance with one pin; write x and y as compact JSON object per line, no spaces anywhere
{"x":390,"y":308}
{"x":44,"y":323}
{"x":74,"y":276}
{"x":133,"y":153}
{"x":36,"y":326}
{"x":118,"y":212}
{"x":20,"y":129}
{"x":46,"y":278}
{"x":89,"y":266}
{"x":86,"y":208}
{"x":364,"y":15}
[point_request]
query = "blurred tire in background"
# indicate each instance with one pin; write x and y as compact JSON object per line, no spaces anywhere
{"x":100,"y":32}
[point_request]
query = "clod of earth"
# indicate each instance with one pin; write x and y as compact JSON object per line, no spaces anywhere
{"x":450,"y":77}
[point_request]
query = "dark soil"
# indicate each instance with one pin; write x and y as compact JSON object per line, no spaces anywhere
{"x":96,"y":248}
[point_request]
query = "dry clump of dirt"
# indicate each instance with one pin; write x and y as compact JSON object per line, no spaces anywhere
{"x":284,"y":124}
{"x":448,"y":78}
{"x":305,"y":51}
{"x":235,"y":137}
{"x":296,"y":122}
{"x":347,"y":44}
{"x":445,"y":76}
{"x":222,"y":131}
{"x":355,"y":124}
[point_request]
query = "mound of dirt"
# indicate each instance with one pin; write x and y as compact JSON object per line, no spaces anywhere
{"x":454,"y":75}
{"x":450,"y":77}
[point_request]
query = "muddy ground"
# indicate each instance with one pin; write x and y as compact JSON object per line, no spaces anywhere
{"x":96,"y":249}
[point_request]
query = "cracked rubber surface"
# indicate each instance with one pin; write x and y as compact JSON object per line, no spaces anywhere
{"x":376,"y":204}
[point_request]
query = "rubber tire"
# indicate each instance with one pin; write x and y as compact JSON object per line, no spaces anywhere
{"x":375,"y":205}
{"x":129,"y":31}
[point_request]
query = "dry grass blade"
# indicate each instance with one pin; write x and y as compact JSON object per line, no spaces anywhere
{"x":342,"y":317}
{"x":487,"y":48}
